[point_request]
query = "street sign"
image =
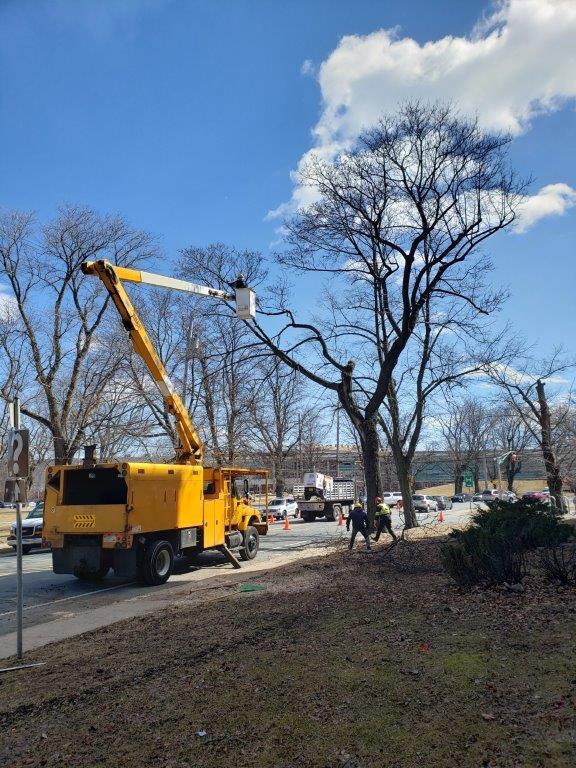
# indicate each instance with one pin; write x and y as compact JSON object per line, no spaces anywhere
{"x":468,"y":479}
{"x":16,"y":490}
{"x":18,"y":443}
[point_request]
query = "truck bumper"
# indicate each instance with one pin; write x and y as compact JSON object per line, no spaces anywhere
{"x":75,"y":559}
{"x":35,"y":541}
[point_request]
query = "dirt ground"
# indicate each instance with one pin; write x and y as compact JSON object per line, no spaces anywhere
{"x":350,"y":660}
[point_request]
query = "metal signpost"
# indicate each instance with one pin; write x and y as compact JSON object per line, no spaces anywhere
{"x":18,"y":471}
{"x":468,"y":482}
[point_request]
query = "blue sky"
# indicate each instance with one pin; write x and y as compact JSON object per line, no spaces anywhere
{"x":188,"y":116}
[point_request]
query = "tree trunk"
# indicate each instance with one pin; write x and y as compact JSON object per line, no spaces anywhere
{"x":63,"y":453}
{"x":403,"y":466}
{"x":370,"y":447}
{"x":552,"y":468}
{"x":476,"y":475}
{"x":458,"y":481}
{"x":279,"y":482}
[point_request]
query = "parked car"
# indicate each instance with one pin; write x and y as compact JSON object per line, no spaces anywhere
{"x":281,"y":508}
{"x":461,"y":497}
{"x":32,"y":526}
{"x":443,"y":502}
{"x":536,"y":496}
{"x":478,"y":497}
{"x":424,"y":503}
{"x":392,"y":498}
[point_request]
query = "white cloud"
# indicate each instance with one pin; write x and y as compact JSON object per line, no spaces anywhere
{"x":8,"y":305}
{"x":517,"y":64}
{"x":551,"y":200}
{"x":508,"y":373}
{"x":308,"y":67}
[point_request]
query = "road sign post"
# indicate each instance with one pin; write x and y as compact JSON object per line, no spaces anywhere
{"x":468,"y":482}
{"x":18,"y":467}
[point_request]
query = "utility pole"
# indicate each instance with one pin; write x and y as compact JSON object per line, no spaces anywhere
{"x":485,"y":463}
{"x":337,"y":441}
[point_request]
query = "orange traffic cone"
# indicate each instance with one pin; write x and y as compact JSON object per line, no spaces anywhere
{"x":271,"y":520}
{"x":286,"y":524}
{"x":441,"y":516}
{"x":340,"y":519}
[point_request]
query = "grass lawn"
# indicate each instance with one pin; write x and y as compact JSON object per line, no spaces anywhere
{"x":351,"y":660}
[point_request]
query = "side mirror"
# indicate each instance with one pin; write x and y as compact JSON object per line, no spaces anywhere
{"x":246,"y":492}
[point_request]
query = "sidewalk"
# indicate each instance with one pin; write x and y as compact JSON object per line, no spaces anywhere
{"x":155,"y":599}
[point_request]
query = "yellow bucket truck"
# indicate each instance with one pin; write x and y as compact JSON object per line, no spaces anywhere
{"x":135,"y":517}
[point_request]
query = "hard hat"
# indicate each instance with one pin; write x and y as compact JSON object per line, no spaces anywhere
{"x":357,"y":505}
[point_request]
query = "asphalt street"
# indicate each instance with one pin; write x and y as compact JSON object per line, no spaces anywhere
{"x":49,"y":597}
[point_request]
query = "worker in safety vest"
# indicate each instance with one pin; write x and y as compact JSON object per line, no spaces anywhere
{"x":359,"y":521}
{"x":383,"y":519}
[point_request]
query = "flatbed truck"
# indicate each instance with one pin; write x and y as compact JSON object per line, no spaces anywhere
{"x":322,"y":496}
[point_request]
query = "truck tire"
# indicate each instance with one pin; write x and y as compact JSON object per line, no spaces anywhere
{"x":26,"y":549}
{"x":251,"y":544}
{"x":157,"y":563}
{"x":307,"y":517}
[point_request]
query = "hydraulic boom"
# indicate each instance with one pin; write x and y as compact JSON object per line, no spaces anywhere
{"x":191,"y":448}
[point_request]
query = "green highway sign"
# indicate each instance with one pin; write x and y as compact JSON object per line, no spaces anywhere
{"x":468,"y":479}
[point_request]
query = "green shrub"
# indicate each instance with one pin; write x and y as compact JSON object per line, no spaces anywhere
{"x":492,"y":550}
{"x":484,"y":557}
{"x":532,"y":524}
{"x":559,"y":563}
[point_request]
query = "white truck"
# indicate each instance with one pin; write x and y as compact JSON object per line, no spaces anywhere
{"x":322,"y":496}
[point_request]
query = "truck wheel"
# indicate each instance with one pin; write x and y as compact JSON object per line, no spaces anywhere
{"x":26,"y":550}
{"x":157,"y":563}
{"x":251,"y":544}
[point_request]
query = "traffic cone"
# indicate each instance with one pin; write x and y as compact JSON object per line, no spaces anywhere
{"x":441,"y":516}
{"x":271,"y":520}
{"x":340,"y":519}
{"x":286,"y":524}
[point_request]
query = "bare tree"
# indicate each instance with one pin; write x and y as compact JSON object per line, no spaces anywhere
{"x":524,"y":390}
{"x":396,"y":221}
{"x":465,"y":426}
{"x":313,"y":431}
{"x":509,"y":434}
{"x":450,"y":344}
{"x":275,"y":416}
{"x":225,"y":352}
{"x":53,"y":355}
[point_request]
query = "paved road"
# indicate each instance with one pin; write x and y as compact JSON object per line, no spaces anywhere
{"x":48,"y":596}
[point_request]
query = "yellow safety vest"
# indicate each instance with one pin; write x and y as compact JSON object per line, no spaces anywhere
{"x":382,"y":509}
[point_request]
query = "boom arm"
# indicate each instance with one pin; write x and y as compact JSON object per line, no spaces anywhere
{"x":191,"y":447}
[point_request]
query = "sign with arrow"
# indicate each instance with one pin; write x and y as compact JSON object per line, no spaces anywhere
{"x":468,"y":479}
